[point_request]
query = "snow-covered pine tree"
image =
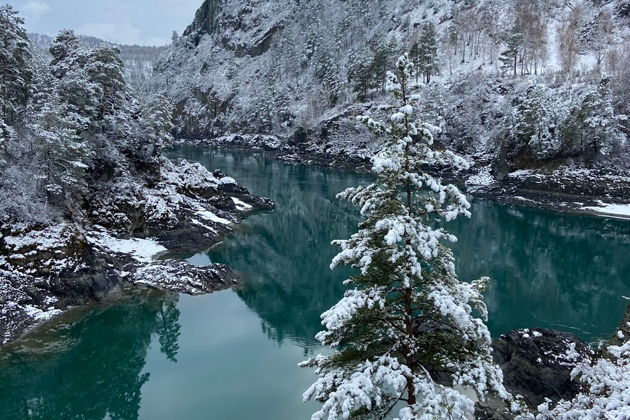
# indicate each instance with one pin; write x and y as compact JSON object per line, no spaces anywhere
{"x":15,"y":74}
{"x":383,"y":51}
{"x":513,"y":43}
{"x":427,"y":52}
{"x":66,"y":53}
{"x":105,"y":68}
{"x":59,"y":149}
{"x":74,"y":87}
{"x":359,"y":73}
{"x":534,"y":123}
{"x":414,"y":55}
{"x":598,"y":121}
{"x":406,"y":319}
{"x":327,"y":71}
{"x":157,"y":125}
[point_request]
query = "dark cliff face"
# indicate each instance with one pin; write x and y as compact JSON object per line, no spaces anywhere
{"x":206,"y":20}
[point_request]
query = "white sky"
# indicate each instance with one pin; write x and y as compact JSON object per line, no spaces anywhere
{"x":144,"y":22}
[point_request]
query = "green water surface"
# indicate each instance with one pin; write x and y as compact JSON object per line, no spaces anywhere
{"x":232,"y":355}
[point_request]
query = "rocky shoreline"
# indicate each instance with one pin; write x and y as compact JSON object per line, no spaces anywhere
{"x":581,"y":191}
{"x":46,"y":269}
{"x":538,"y":364}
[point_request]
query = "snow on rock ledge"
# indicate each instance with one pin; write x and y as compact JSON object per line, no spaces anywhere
{"x":143,"y":250}
{"x":127,"y":223}
{"x":620,"y":210}
{"x":180,"y":277}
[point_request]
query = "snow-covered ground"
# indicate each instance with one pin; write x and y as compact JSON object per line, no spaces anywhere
{"x":143,"y":250}
{"x":208,"y":215}
{"x":621,"y":210}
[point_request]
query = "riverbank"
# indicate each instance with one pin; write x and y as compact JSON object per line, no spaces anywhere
{"x":549,"y":272}
{"x":120,"y":242}
{"x":581,"y":191}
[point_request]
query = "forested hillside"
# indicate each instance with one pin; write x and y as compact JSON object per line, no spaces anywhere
{"x":86,"y":197}
{"x":517,"y":84}
{"x":139,"y":59}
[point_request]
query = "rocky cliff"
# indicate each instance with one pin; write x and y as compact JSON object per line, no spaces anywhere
{"x":302,"y":70}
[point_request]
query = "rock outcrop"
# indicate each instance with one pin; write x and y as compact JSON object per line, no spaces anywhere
{"x":44,"y":269}
{"x":536,"y":364}
{"x":205,"y":22}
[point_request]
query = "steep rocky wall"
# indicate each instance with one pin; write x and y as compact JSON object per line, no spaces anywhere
{"x":205,"y":22}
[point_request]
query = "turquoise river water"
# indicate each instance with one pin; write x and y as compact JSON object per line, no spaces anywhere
{"x":232,"y":355}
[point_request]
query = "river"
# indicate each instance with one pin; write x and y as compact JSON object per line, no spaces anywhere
{"x":232,"y":355}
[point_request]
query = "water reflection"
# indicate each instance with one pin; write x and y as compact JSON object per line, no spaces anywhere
{"x":284,"y":255}
{"x":88,"y":364}
{"x":550,"y":270}
{"x":234,"y":356}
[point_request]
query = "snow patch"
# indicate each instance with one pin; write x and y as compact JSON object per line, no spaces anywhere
{"x":226,"y":180}
{"x":482,"y":179}
{"x":198,"y":223}
{"x":143,"y":250}
{"x":38,"y":314}
{"x":241,"y":205}
{"x":208,"y":215}
{"x":611,"y":209}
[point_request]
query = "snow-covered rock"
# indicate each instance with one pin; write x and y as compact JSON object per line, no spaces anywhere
{"x":129,"y":224}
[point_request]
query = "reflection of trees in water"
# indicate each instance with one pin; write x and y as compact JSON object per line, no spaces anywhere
{"x":167,"y":327}
{"x":566,"y":271}
{"x":284,"y":255}
{"x":87,"y":366}
{"x":286,"y":276}
{"x":548,"y":269}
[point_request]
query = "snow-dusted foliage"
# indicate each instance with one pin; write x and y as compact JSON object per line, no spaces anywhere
{"x":78,"y":126}
{"x":87,"y":200}
{"x":406,"y":318}
{"x":139,"y":59}
{"x":15,"y":74}
{"x":605,"y":384}
{"x":513,"y":82}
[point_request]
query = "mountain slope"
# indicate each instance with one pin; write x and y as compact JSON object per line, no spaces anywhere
{"x":517,"y":84}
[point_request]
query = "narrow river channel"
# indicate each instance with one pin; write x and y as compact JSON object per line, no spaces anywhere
{"x":232,"y":355}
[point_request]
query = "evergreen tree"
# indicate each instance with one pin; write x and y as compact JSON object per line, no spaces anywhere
{"x":15,"y":74}
{"x":105,"y":68}
{"x":66,"y":53}
{"x":360,"y":73}
{"x":534,"y":123}
{"x":427,"y":52}
{"x":80,"y":95}
{"x":414,"y":56}
{"x":74,"y":87}
{"x":383,"y":52}
{"x":598,"y":121}
{"x":157,"y":119}
{"x":327,"y":71}
{"x":406,"y":317}
{"x":59,"y":149}
{"x":5,"y":135}
{"x":509,"y":57}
